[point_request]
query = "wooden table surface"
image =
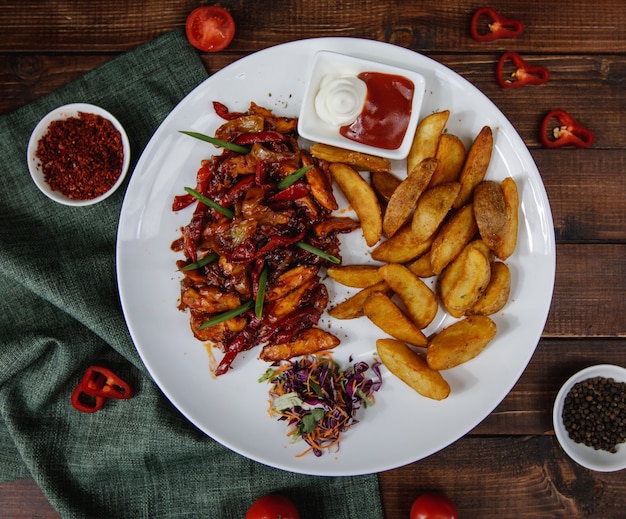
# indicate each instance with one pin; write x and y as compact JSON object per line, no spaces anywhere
{"x":510,"y":465}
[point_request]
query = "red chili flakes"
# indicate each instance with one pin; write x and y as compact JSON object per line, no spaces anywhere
{"x":81,"y":156}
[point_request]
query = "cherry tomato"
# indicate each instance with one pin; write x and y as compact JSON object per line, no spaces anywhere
{"x":434,"y":506}
{"x":272,"y":506}
{"x":210,"y":28}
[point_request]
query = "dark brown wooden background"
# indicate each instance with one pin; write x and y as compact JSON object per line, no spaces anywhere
{"x":510,"y":465}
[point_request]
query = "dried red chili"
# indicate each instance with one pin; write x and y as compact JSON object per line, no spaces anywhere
{"x":497,"y":25}
{"x":524,"y":73}
{"x":81,"y":156}
{"x":560,"y":129}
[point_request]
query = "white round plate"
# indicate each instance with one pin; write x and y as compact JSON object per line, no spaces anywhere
{"x":403,"y":426}
{"x":588,"y":457}
{"x":34,"y":164}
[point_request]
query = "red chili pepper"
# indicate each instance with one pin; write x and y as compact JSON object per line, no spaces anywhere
{"x":568,"y":131}
{"x":98,"y":384}
{"x":500,"y":27}
{"x":224,"y":113}
{"x":265,"y":136}
{"x":293,"y":192}
{"x":524,"y":74}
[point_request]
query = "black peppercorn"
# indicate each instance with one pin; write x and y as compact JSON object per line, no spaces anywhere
{"x":594,"y":413}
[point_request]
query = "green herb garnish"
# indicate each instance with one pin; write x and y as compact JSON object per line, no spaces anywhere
{"x":209,"y":258}
{"x":217,"y":142}
{"x":318,"y":252}
{"x":207,"y":201}
{"x":225,"y":316}
{"x":293,"y":177}
{"x":260,"y":295}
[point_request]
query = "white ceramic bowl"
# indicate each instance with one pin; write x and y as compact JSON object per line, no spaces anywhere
{"x":598,"y":460}
{"x":34,"y":164}
{"x":326,"y":63}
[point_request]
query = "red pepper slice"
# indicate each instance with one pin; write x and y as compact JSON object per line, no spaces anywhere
{"x":84,"y":402}
{"x":500,"y":27}
{"x":568,"y":131}
{"x":264,"y":136}
{"x":102,"y":382}
{"x":293,"y":192}
{"x":222,"y":111}
{"x":524,"y":74}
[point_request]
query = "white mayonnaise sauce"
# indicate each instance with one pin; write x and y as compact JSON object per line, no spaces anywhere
{"x":340,"y":99}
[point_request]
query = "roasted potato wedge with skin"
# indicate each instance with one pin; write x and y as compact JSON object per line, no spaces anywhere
{"x":311,"y":340}
{"x":412,"y":369}
{"x":511,"y":202}
{"x":360,"y":161}
{"x":452,"y":238}
{"x":420,"y":301}
{"x":385,"y":314}
{"x":450,"y":159}
{"x":490,"y":213}
{"x":362,"y":199}
{"x":497,"y":292}
{"x":400,"y":248}
{"x":463,"y":281}
{"x":422,"y":267}
{"x":356,"y":276}
{"x":426,"y":139}
{"x":384,"y":183}
{"x":460,"y":342}
{"x":432,"y":208}
{"x":404,"y":198}
{"x":352,"y":307}
{"x":476,"y":165}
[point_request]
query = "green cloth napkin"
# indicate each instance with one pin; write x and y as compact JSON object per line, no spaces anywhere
{"x":60,"y":313}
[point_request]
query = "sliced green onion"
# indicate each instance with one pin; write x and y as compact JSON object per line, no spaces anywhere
{"x":318,"y":252}
{"x":260,"y":295}
{"x":217,"y":142}
{"x":209,"y":258}
{"x":207,"y":201}
{"x":293,"y":177}
{"x":225,"y":316}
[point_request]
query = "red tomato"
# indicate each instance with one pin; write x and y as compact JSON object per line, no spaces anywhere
{"x":272,"y":506}
{"x":434,"y":506}
{"x":210,"y":28}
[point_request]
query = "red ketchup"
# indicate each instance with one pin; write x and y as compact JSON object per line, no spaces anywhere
{"x":386,"y":112}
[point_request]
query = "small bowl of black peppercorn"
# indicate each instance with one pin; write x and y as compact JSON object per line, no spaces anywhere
{"x":589,"y":417}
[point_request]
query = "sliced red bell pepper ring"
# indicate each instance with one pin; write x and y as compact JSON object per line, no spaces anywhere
{"x":500,"y":26}
{"x":524,"y":73}
{"x":567,"y":132}
{"x":102,"y":382}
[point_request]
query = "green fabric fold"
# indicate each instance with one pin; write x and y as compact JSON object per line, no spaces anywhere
{"x":60,"y":313}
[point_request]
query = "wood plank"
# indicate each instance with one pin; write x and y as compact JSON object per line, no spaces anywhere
{"x":23,"y":499}
{"x":522,"y":477}
{"x":426,"y":26}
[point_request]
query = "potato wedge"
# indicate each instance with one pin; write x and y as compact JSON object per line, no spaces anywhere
{"x":476,"y":165}
{"x":362,"y":199}
{"x":352,"y":307}
{"x":452,"y":238}
{"x":420,"y":301}
{"x":385,"y":314}
{"x":384,"y":183}
{"x":511,"y":201}
{"x":426,"y":139}
{"x":450,"y":159}
{"x":360,"y":161}
{"x":356,"y":276}
{"x":464,"y":280}
{"x":422,"y":267}
{"x":490,"y":213}
{"x":401,"y":247}
{"x":431,"y":209}
{"x":460,"y":342}
{"x":311,"y":340}
{"x":412,"y":369}
{"x":404,"y":198}
{"x":497,"y":292}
